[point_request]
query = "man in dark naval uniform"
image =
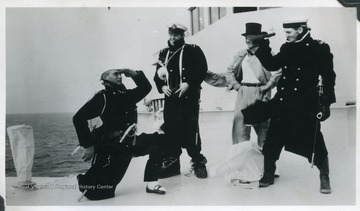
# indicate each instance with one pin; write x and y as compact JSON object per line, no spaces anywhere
{"x":113,"y":144}
{"x":299,"y":104}
{"x":180,"y":71}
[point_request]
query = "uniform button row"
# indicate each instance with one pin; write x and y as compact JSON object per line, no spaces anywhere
{"x":285,"y":67}
{"x":297,"y":79}
{"x":172,"y":70}
{"x":282,"y":88}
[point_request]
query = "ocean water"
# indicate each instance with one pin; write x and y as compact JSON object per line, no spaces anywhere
{"x":55,"y":139}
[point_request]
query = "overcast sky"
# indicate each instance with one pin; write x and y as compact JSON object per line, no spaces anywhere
{"x":55,"y":56}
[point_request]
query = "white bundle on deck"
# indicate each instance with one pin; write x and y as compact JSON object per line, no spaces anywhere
{"x":244,"y":161}
{"x":22,"y":148}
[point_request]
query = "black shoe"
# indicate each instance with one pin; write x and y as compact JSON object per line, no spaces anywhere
{"x":170,"y":168}
{"x":155,"y":190}
{"x":266,"y":181}
{"x":325,"y":184}
{"x":269,"y":171}
{"x":324,"y":177}
{"x":200,"y":172}
{"x":200,"y":169}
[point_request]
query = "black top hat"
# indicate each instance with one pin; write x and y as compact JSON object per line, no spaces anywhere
{"x":253,"y":29}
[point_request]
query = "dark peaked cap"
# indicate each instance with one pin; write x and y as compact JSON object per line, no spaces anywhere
{"x":295,"y":24}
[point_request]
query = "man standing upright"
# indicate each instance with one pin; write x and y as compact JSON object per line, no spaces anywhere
{"x":180,"y":71}
{"x":251,"y":80}
{"x":299,"y":105}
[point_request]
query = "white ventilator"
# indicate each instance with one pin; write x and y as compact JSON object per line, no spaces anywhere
{"x":22,"y":148}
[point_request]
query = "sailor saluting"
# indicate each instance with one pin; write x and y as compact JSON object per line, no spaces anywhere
{"x":114,"y":143}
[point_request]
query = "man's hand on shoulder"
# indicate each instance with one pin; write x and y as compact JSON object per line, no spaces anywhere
{"x":264,"y":43}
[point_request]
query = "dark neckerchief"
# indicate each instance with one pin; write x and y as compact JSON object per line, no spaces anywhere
{"x":250,"y":52}
{"x":176,"y":45}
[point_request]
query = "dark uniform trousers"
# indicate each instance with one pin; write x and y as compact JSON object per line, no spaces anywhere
{"x":301,"y":132}
{"x":181,"y":127}
{"x":111,"y":162}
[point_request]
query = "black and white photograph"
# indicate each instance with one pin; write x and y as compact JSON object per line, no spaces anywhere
{"x":165,"y":106}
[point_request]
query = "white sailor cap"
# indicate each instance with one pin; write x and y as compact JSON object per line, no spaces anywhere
{"x":177,"y":28}
{"x":295,"y":24}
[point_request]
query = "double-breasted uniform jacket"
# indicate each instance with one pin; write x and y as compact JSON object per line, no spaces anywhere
{"x":115,"y":106}
{"x":181,"y":114}
{"x":296,"y":102}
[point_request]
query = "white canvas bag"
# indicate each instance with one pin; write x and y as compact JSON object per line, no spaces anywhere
{"x":22,"y":148}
